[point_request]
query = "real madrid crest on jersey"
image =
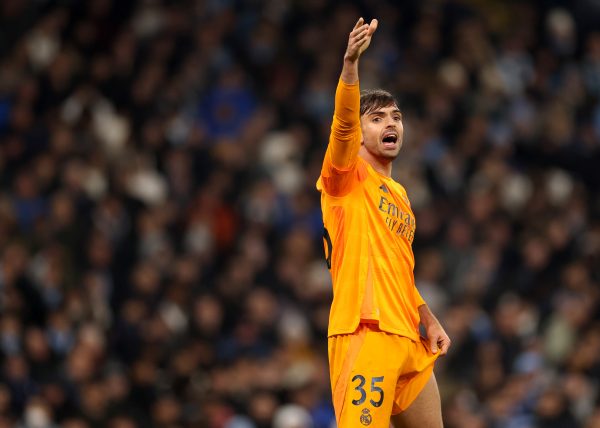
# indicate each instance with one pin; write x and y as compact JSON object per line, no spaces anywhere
{"x":366,"y":417}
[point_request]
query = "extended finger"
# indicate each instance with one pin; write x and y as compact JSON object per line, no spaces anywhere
{"x":359,"y":30}
{"x":361,"y":35}
{"x":359,"y":23}
{"x":363,"y":38}
{"x":373,"y":26}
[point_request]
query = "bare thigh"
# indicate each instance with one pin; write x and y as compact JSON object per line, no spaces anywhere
{"x":425,"y":411}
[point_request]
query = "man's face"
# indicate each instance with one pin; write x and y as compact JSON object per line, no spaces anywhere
{"x":382,"y":132}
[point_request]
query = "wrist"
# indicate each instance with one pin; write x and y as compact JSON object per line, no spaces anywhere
{"x":349,"y":60}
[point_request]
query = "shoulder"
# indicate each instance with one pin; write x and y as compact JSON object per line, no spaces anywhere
{"x":402,"y":192}
{"x":362,"y":169}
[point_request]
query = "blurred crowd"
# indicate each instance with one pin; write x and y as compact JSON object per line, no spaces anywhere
{"x":161,"y":262}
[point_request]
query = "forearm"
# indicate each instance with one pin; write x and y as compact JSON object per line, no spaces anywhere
{"x":426,"y":316}
{"x":346,"y":115}
{"x":349,"y":71}
{"x":345,"y":130}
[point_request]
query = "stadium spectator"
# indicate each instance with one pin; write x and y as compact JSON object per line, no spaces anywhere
{"x":160,"y":252}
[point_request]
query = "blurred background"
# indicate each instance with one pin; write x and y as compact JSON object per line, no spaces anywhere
{"x":161,"y":262}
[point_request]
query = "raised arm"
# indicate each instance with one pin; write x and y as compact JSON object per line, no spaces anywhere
{"x":345,"y":131}
{"x":358,"y":41}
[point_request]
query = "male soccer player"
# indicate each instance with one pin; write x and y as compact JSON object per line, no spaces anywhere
{"x":380,"y":367}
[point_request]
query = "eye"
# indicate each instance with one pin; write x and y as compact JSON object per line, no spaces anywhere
{"x":398,"y":118}
{"x":376,"y":119}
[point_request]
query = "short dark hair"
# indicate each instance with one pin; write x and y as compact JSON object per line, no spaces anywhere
{"x":373,"y":99}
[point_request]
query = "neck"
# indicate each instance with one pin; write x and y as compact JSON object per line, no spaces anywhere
{"x":381,"y":165}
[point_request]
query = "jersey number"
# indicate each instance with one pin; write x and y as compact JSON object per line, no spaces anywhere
{"x":328,"y":247}
{"x":374,"y":389}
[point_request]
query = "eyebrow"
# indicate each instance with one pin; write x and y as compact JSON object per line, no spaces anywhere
{"x":381,"y":113}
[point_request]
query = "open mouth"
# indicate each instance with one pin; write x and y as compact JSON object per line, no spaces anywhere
{"x":390,"y":139}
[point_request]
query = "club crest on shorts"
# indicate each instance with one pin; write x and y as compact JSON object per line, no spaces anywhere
{"x":366,"y":417}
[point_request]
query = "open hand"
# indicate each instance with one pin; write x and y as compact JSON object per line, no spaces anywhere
{"x":359,"y":39}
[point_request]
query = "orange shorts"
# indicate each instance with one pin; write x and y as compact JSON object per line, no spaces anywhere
{"x":375,"y":374}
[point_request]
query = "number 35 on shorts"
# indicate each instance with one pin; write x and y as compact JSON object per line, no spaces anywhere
{"x":375,"y":394}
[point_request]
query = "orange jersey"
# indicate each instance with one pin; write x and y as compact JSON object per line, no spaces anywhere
{"x":369,"y":230}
